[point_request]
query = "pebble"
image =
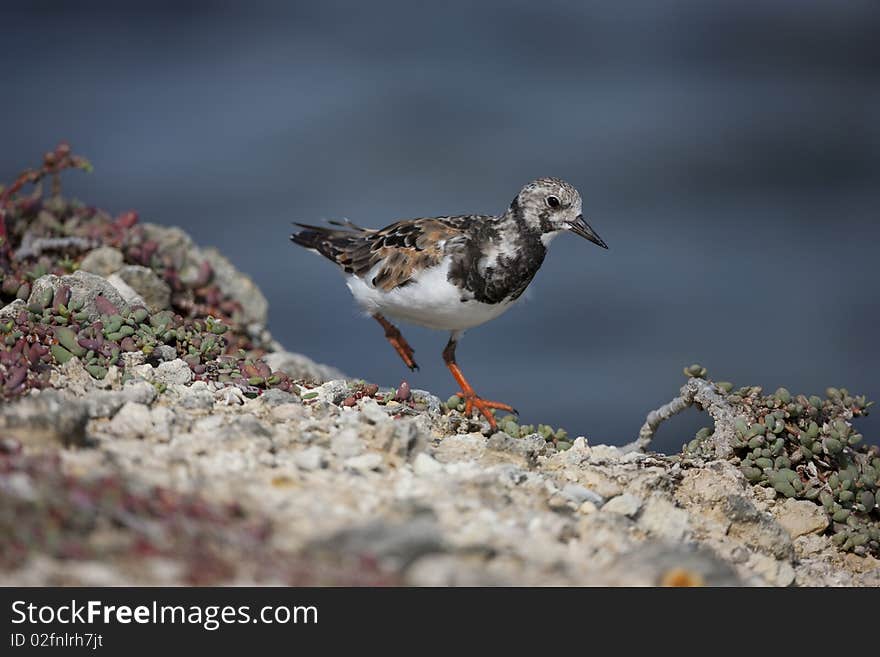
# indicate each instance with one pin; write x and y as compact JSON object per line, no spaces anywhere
{"x":426,"y":465}
{"x":102,"y":261}
{"x":132,"y":421}
{"x":197,"y":396}
{"x":146,"y":283}
{"x":580,"y":494}
{"x":346,"y":444}
{"x":173,"y":371}
{"x":800,"y":517}
{"x":624,"y":504}
{"x":229,"y":396}
{"x":310,"y":458}
{"x":372,"y":412}
{"x":364,"y":462}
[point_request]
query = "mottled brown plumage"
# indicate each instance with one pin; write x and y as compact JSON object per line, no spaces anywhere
{"x":400,"y":250}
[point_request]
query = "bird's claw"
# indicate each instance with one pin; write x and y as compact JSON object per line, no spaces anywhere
{"x":485,"y":406}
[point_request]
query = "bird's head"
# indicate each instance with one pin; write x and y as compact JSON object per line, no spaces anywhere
{"x":550,"y":206}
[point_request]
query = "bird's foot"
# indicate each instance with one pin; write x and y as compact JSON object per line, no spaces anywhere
{"x":401,"y":346}
{"x":472,"y":401}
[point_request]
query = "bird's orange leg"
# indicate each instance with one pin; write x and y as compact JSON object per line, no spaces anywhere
{"x":401,"y":346}
{"x":471,"y":399}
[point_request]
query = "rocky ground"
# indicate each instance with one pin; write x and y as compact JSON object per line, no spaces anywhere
{"x":144,"y":455}
{"x":288,"y":491}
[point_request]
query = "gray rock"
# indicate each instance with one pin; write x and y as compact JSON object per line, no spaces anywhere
{"x":426,"y":465}
{"x":580,"y":494}
{"x":659,"y":564}
{"x":84,"y":287}
{"x":800,"y":517}
{"x":757,"y":529}
{"x":665,"y":520}
{"x":171,"y":239}
{"x":273,"y":397}
{"x":604,"y":453}
{"x":247,"y":426}
{"x":104,"y":403}
{"x":372,"y":412}
{"x":310,"y":458}
{"x":152,"y":289}
{"x":132,"y":298}
{"x":297,"y":366}
{"x":131,"y":359}
{"x":624,"y":504}
{"x":12,"y":310}
{"x":433,"y":402}
{"x":529,"y":446}
{"x":229,"y":396}
{"x":174,"y":371}
{"x":164,"y":353}
{"x":364,"y":462}
{"x":162,"y":419}
{"x":347,"y":443}
{"x":102,"y":261}
{"x":49,"y":418}
{"x":197,"y":396}
{"x":405,"y":438}
{"x":132,"y":421}
{"x":397,"y":545}
{"x":333,"y":392}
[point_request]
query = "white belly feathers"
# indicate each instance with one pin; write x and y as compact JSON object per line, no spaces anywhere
{"x":430,"y":301}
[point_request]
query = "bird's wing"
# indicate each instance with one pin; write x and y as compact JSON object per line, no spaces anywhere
{"x":399,"y":250}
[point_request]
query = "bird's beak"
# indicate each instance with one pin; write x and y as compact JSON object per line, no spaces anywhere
{"x":582,"y":228}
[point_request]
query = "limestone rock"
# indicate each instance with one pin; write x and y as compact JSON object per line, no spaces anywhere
{"x":102,"y":261}
{"x":800,"y":517}
{"x":146,"y":283}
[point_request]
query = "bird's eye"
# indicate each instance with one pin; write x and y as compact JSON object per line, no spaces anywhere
{"x":553,"y":201}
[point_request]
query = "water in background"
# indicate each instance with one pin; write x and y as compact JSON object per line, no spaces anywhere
{"x":728,"y":153}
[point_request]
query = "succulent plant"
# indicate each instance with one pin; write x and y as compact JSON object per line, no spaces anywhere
{"x":204,"y":325}
{"x":805,"y":447}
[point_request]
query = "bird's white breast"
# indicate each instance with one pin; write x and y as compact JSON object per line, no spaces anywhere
{"x":430,"y":300}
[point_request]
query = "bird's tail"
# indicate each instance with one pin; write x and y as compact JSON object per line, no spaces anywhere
{"x":331,"y":243}
{"x":311,"y":238}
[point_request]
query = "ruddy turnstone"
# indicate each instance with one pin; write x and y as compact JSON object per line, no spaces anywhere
{"x":451,"y":273}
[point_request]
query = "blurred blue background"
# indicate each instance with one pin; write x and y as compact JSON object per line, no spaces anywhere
{"x":728,"y":152}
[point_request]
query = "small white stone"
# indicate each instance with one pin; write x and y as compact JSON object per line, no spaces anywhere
{"x":291,"y":411}
{"x":127,"y":291}
{"x":577,"y":494}
{"x":229,"y":396}
{"x":174,"y":371}
{"x":587,"y":508}
{"x":131,"y":421}
{"x":580,"y":445}
{"x":162,"y":418}
{"x":131,"y":359}
{"x":800,"y":517}
{"x":311,"y":458}
{"x":662,"y":518}
{"x":624,"y":504}
{"x":604,"y":453}
{"x":364,"y":462}
{"x":371,"y":411}
{"x":426,"y":465}
{"x":145,"y":371}
{"x":347,"y":443}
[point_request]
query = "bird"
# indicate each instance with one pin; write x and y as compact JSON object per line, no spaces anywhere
{"x":451,"y":273}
